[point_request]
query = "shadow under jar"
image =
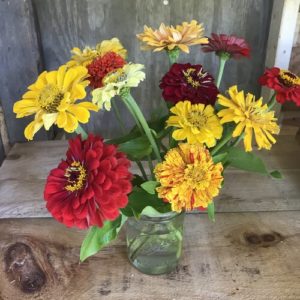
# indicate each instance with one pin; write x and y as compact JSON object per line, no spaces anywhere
{"x":154,"y":244}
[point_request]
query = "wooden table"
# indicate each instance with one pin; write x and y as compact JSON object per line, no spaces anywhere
{"x":251,"y":252}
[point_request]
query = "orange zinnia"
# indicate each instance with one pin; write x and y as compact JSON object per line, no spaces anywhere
{"x":169,"y":37}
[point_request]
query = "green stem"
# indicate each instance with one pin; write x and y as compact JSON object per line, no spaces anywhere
{"x":238,"y":140}
{"x":140,"y":165}
{"x":172,"y":141}
{"x":173,"y":55}
{"x":80,"y":130}
{"x":141,"y":119}
{"x":118,"y":116}
{"x":223,"y":58}
{"x":135,"y":117}
{"x":272,"y":101}
{"x":151,"y":167}
{"x":221,"y":143}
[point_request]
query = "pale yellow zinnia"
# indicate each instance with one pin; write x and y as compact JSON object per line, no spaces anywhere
{"x":169,"y":37}
{"x":188,"y":177}
{"x":195,"y":123}
{"x":52,"y":99}
{"x":87,"y":55}
{"x":250,"y":115}
{"x":127,"y":77}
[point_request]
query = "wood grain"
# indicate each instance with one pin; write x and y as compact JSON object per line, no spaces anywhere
{"x":20,"y":61}
{"x":243,"y":256}
{"x":23,"y":175}
{"x":65,"y":24}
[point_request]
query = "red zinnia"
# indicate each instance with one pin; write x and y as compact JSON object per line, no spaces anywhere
{"x":103,"y":65}
{"x":285,"y":83}
{"x":189,"y":82}
{"x":229,"y":44}
{"x":89,"y":186}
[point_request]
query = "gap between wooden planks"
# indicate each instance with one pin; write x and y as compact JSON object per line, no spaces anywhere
{"x":241,"y":256}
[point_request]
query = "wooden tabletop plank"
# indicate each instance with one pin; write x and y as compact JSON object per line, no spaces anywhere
{"x":23,"y":174}
{"x":241,"y":256}
{"x":35,"y":159}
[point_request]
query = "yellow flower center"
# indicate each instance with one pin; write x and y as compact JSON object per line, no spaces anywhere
{"x":50,"y":98}
{"x":193,"y":78}
{"x":288,"y":78}
{"x":115,"y":76}
{"x":196,"y":118}
{"x":76,"y":175}
{"x":189,"y":76}
{"x":196,"y":176}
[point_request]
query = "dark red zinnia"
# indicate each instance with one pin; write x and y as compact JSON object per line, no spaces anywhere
{"x":189,"y":82}
{"x":89,"y":186}
{"x":234,"y":46}
{"x":103,"y":65}
{"x":285,"y":83}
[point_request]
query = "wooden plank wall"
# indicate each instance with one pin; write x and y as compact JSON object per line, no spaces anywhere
{"x":2,"y":154}
{"x":20,"y":61}
{"x":295,"y":59}
{"x":67,"y":23}
{"x":38,"y":34}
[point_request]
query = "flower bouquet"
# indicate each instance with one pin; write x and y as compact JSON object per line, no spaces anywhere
{"x":186,"y":150}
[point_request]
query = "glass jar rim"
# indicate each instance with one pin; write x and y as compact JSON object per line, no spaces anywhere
{"x":165,"y":217}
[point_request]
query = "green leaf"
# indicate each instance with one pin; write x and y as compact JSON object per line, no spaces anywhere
{"x":137,"y":148}
{"x":139,"y":199}
{"x":211,"y":211}
{"x":151,"y":212}
{"x":124,"y":138}
{"x":222,"y":157}
{"x":98,"y":237}
{"x":149,"y":186}
{"x":247,"y":161}
{"x":137,"y":180}
{"x":276,"y":174}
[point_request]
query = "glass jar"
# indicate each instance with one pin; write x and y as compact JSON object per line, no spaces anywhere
{"x":154,"y":244}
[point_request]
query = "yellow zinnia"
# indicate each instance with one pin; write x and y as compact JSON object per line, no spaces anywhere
{"x":249,"y":115}
{"x":87,"y":55}
{"x":188,"y":177}
{"x":52,"y":99}
{"x":195,"y":122}
{"x":169,"y":37}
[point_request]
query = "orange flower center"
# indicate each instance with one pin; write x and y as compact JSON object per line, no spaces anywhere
{"x":49,"y":98}
{"x":288,"y":78}
{"x":76,"y":175}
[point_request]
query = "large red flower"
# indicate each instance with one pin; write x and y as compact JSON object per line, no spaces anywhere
{"x":233,"y":46}
{"x":103,"y":65}
{"x":189,"y":82}
{"x":89,"y":186}
{"x":285,"y":83}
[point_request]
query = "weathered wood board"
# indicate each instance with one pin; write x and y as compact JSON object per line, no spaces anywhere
{"x":65,"y":24}
{"x":251,"y":256}
{"x":20,"y":61}
{"x":2,"y":154}
{"x":23,"y":175}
